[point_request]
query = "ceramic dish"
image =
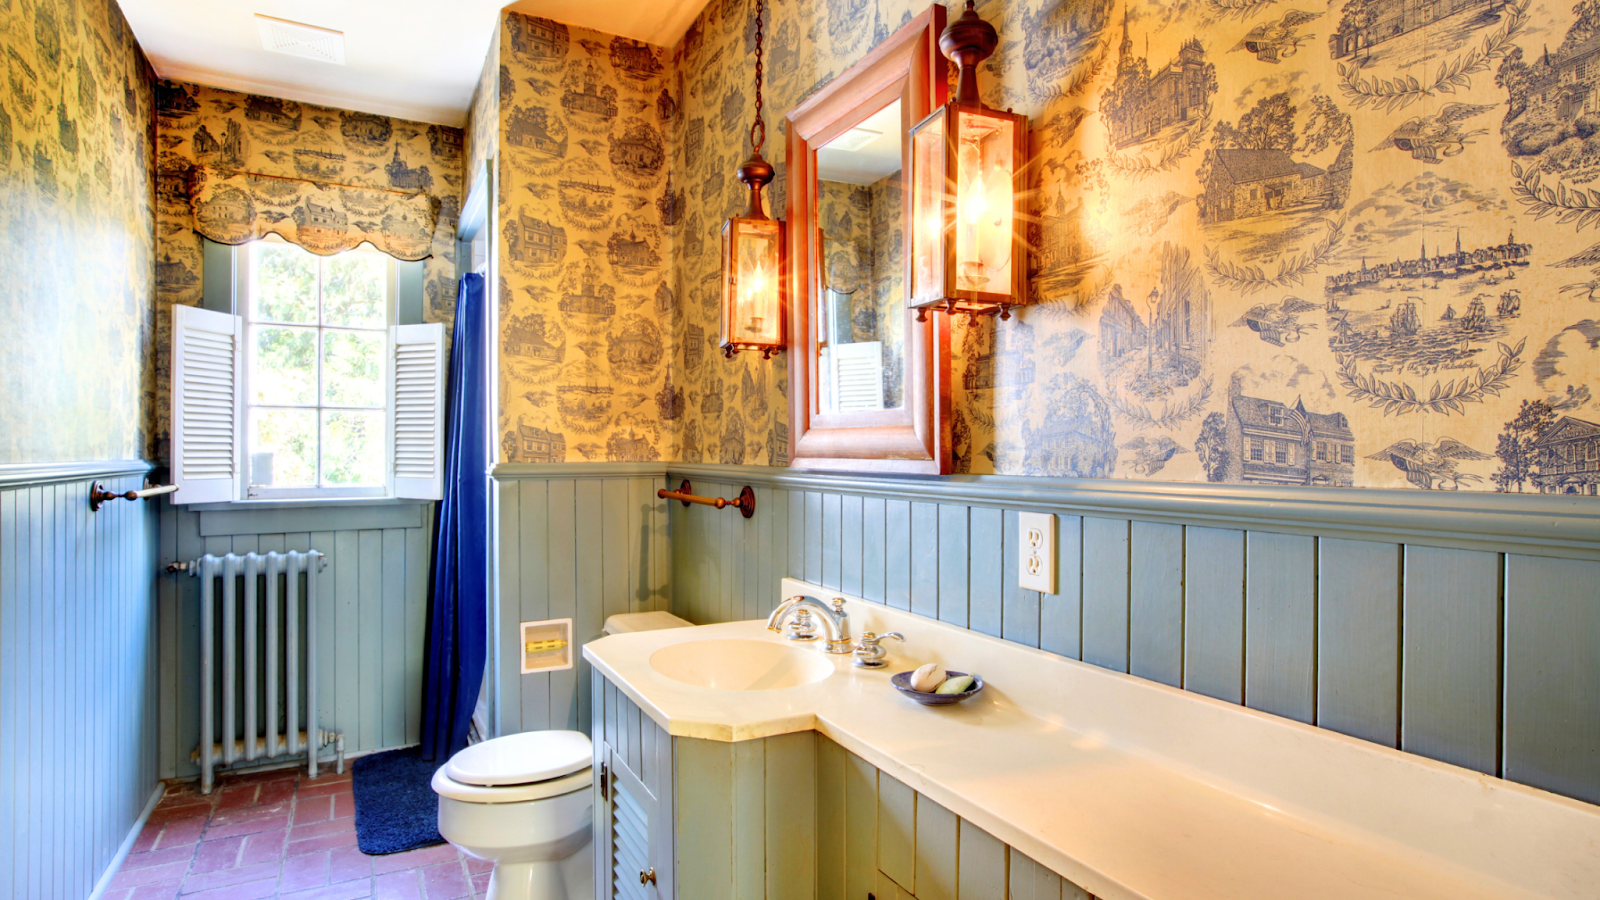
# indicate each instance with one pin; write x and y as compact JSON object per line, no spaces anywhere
{"x":902,"y":683}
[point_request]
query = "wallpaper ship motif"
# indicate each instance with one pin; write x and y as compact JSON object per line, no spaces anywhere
{"x":76,"y":206}
{"x":1352,"y":244}
{"x":239,"y":165}
{"x":587,"y":305}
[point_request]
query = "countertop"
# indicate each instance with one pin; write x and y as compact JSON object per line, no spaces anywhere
{"x":1132,"y":789}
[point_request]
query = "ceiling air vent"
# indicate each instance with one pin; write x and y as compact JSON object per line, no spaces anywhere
{"x":297,"y":39}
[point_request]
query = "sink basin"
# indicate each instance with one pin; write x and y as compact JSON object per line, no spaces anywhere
{"x":741,"y":665}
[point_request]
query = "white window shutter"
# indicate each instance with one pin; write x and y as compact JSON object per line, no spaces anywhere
{"x":416,"y":411}
{"x":206,"y":426}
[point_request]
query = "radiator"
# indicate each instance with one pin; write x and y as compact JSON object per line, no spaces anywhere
{"x":269,"y":702}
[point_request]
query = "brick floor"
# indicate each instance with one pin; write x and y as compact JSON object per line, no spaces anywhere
{"x":279,"y":834}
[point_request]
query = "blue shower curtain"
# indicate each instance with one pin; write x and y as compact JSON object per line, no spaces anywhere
{"x":458,"y":596}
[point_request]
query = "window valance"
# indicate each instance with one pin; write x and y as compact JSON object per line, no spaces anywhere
{"x":233,"y":207}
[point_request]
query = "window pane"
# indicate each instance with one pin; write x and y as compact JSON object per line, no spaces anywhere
{"x":283,"y":366}
{"x":352,"y":291}
{"x":352,"y":448}
{"x":352,"y":368}
{"x":283,"y":447}
{"x":285,"y":288}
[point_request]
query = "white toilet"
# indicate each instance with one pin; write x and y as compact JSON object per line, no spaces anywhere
{"x":524,"y":802}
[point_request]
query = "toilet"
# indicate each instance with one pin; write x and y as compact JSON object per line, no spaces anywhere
{"x":525,"y":802}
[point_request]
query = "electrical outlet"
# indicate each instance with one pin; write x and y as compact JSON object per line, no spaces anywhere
{"x":1037,"y":552}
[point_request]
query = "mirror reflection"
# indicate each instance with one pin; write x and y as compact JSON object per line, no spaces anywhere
{"x":861,"y":316}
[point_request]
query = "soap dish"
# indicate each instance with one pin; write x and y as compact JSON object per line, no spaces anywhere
{"x":902,"y":683}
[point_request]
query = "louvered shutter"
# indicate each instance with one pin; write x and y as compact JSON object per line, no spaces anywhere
{"x":417,"y":411}
{"x":206,"y":424}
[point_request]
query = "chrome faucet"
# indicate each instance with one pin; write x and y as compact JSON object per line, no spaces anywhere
{"x":835,"y":621}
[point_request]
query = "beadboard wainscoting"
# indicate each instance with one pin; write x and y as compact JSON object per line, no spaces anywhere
{"x":579,"y":541}
{"x":372,"y":601}
{"x":1460,"y":627}
{"x":77,"y":674}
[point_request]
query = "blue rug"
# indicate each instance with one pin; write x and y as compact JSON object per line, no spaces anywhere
{"x":396,"y":810}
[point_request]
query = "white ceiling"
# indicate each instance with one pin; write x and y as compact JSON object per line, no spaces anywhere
{"x":873,"y":159}
{"x":415,"y":59}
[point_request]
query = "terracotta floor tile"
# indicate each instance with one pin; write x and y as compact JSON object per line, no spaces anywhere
{"x":323,"y":789}
{"x":249,"y":826}
{"x":214,"y":856}
{"x":126,"y":878}
{"x":181,"y":831}
{"x":309,"y":810}
{"x":251,"y":813}
{"x":326,"y":775}
{"x":402,"y":885}
{"x":322,"y":842}
{"x":480,"y":883}
{"x":344,"y":805}
{"x":146,"y":841}
{"x":304,"y":872}
{"x":275,"y":792}
{"x":317,"y":829}
{"x":350,"y":890}
{"x":446,"y":881}
{"x":238,"y":796}
{"x":263,"y":846}
{"x":239,"y":875}
{"x":477,"y":866}
{"x":178,"y":811}
{"x":254,"y":890}
{"x":348,"y":864}
{"x":144,"y":860}
{"x":412,"y":859}
{"x":160,"y":890}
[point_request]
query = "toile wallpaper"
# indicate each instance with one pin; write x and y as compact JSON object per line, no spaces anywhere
{"x":235,"y":163}
{"x":1343,"y":243}
{"x":76,"y":209}
{"x":585,"y":281}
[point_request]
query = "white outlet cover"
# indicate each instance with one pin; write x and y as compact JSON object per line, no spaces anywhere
{"x":1036,"y":552}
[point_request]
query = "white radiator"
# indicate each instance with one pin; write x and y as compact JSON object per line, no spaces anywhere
{"x":261,"y":661}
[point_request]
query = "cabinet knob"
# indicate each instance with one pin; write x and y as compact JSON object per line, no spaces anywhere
{"x":647,"y":877}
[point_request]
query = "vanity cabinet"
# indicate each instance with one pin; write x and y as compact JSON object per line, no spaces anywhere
{"x":788,"y":817}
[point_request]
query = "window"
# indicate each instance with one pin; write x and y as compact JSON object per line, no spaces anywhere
{"x":310,"y":391}
{"x":1322,"y":451}
{"x":1282,"y":453}
{"x":1255,"y":450}
{"x":1347,"y":454}
{"x":315,"y":345}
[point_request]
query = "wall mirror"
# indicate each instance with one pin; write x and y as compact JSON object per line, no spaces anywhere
{"x":869,"y":385}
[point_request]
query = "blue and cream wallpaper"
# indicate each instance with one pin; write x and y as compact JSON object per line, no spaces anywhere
{"x":233,"y":166}
{"x":77,"y":213}
{"x":1346,"y":243}
{"x":587,"y":207}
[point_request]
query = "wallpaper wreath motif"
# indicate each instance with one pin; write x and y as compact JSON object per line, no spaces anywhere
{"x":1352,"y":243}
{"x":76,"y":141}
{"x":234,"y":166}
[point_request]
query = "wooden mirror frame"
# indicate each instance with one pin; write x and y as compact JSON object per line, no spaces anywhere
{"x":914,"y":438}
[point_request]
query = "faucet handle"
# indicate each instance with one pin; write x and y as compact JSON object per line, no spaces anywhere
{"x":838,"y":606}
{"x":870,"y":654}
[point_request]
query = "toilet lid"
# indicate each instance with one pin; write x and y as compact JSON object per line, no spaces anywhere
{"x":522,"y":758}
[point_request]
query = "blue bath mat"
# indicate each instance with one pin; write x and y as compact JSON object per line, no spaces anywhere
{"x":396,"y":810}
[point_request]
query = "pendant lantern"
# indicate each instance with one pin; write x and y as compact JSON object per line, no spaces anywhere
{"x":754,"y":309}
{"x":968,"y":240}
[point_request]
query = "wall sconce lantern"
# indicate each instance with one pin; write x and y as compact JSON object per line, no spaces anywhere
{"x":968,"y":244}
{"x":753,"y":302}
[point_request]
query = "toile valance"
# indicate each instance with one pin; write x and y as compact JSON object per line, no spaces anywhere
{"x":234,"y":207}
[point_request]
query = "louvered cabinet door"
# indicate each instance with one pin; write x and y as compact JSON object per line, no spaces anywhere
{"x":632,"y":834}
{"x":206,"y":407}
{"x":416,"y":411}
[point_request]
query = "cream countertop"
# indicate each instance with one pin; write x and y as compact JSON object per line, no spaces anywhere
{"x":1133,"y":789}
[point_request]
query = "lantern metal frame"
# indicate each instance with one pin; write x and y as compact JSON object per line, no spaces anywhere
{"x":756,"y":173}
{"x":967,"y":41}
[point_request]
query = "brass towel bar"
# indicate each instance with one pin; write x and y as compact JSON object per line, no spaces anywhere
{"x":744,"y":503}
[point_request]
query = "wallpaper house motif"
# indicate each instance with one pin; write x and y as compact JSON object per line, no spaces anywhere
{"x":1349,"y":245}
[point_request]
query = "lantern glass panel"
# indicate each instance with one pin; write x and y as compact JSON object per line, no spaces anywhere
{"x":751,"y":313}
{"x":985,"y":206}
{"x":927,"y":205}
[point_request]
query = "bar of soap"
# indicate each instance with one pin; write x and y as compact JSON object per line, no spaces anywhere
{"x":927,"y":678}
{"x":960,"y":684}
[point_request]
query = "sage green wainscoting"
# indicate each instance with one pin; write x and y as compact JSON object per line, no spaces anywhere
{"x":1459,"y":626}
{"x":371,"y":621}
{"x":77,"y":674}
{"x":788,"y":817}
{"x":572,"y":541}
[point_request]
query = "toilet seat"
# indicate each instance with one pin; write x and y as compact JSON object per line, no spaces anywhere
{"x":526,"y":758}
{"x":448,"y":787}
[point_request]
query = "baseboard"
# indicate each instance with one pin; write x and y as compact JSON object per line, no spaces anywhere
{"x":115,"y":864}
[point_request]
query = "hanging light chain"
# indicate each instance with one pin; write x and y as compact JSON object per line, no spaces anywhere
{"x":758,"y":129}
